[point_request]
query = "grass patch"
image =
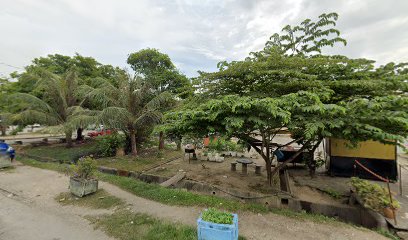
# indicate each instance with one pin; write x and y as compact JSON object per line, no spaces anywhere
{"x":176,"y":196}
{"x":333,"y":193}
{"x":146,"y":159}
{"x":62,"y":168}
{"x":99,"y":200}
{"x":125,"y":225}
{"x":61,"y":152}
{"x":182,"y":198}
{"x":387,"y":234}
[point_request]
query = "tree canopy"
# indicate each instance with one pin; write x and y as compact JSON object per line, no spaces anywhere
{"x":287,"y":85}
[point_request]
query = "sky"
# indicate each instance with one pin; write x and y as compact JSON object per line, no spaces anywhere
{"x":195,"y":34}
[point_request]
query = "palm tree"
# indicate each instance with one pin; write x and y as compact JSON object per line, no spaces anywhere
{"x":58,"y":108}
{"x":130,"y":104}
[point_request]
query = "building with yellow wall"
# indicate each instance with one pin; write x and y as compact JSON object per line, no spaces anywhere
{"x":376,"y":156}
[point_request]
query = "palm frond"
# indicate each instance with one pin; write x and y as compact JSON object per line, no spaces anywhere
{"x":31,"y":116}
{"x":115,"y":117}
{"x":30,"y":101}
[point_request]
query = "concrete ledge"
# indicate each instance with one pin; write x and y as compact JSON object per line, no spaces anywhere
{"x":352,"y":214}
{"x":108,"y":170}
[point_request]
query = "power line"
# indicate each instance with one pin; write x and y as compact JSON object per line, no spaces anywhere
{"x":8,"y":65}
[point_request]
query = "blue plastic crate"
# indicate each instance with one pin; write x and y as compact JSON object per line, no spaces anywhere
{"x":215,"y":231}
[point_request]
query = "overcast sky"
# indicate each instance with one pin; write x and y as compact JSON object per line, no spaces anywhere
{"x":195,"y":33}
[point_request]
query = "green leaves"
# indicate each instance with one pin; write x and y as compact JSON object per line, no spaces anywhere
{"x":307,"y":38}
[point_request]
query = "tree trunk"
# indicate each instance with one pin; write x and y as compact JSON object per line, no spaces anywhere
{"x":161,"y":140}
{"x":269,"y":171}
{"x":68,"y":138}
{"x":133,"y":141}
{"x":178,"y":142}
{"x":280,"y":166}
{"x":311,"y":161}
{"x":3,"y":129}
{"x":79,"y":135}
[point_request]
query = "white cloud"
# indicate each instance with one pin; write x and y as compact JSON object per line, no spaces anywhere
{"x":196,"y":34}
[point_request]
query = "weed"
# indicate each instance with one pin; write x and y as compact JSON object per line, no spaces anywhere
{"x":387,"y":234}
{"x":125,"y":225}
{"x":99,"y":200}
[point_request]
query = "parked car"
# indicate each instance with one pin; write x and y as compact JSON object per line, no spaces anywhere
{"x":6,"y":149}
{"x":99,"y":133}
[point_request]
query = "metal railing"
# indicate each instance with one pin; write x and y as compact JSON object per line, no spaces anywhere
{"x":386,"y":180}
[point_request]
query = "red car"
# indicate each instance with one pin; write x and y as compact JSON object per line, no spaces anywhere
{"x":99,"y":133}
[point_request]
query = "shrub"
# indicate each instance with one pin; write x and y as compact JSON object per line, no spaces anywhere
{"x":373,"y":195}
{"x":108,"y":144}
{"x":215,"y":216}
{"x":84,"y":169}
{"x":18,"y":129}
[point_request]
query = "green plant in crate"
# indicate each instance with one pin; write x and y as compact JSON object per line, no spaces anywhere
{"x":84,"y":169}
{"x":216,"y":216}
{"x":108,"y":144}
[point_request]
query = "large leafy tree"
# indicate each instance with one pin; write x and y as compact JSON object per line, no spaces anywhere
{"x":158,"y":69}
{"x":59,"y":106}
{"x":323,"y":96}
{"x":160,"y":73}
{"x":307,"y":38}
{"x":87,"y":68}
{"x":131,"y":106}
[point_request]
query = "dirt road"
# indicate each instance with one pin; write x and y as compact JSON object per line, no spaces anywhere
{"x":28,"y":211}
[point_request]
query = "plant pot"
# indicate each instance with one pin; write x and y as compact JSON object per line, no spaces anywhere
{"x":82,"y":187}
{"x":210,"y":230}
{"x":120,"y":152}
{"x":5,"y":161}
{"x":388,"y":212}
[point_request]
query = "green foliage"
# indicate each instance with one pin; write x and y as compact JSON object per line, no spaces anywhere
{"x":18,"y":129}
{"x":84,"y":169}
{"x":387,"y":234}
{"x":373,"y":195}
{"x":58,"y":106}
{"x":63,"y":154}
{"x":108,"y":144}
{"x":125,"y":225}
{"x":308,"y":37}
{"x":133,"y":106}
{"x":159,"y":71}
{"x":215,"y":216}
{"x":333,"y":193}
{"x":217,"y":144}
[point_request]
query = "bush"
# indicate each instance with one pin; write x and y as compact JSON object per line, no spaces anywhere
{"x":18,"y":129}
{"x":373,"y":195}
{"x":215,"y":216}
{"x":108,"y":144}
{"x":84,"y":169}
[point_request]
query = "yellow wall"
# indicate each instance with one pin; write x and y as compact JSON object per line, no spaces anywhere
{"x":367,"y":149}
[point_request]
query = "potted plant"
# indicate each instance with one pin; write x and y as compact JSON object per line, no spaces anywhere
{"x":215,"y":224}
{"x":375,"y":197}
{"x":82,"y":181}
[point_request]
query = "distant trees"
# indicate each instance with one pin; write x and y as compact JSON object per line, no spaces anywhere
{"x":59,"y":90}
{"x":58,"y":106}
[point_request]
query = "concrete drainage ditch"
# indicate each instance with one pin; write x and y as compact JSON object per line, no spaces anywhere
{"x":355,"y":214}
